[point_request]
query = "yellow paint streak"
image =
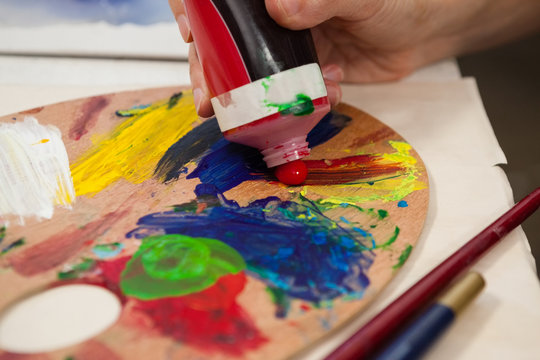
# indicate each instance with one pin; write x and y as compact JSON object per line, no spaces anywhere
{"x":62,"y":195}
{"x":393,"y":189}
{"x":132,"y":150}
{"x":42,"y":141}
{"x":402,"y":154}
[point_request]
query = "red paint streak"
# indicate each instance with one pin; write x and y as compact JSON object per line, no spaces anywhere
{"x":305,"y":307}
{"x":292,"y":173}
{"x":13,"y":356}
{"x":60,"y":247}
{"x":365,"y":168}
{"x":88,"y":116}
{"x":210,"y":320}
{"x":92,"y":350}
{"x":32,"y":111}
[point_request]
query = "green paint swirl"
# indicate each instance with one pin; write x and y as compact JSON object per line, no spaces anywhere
{"x":175,"y":265}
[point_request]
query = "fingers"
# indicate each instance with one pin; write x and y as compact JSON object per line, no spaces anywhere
{"x":177,"y":7}
{"x":201,"y":94}
{"x":333,"y":75}
{"x":303,"y":14}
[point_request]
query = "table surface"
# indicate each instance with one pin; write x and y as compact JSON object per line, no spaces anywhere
{"x":441,"y":115}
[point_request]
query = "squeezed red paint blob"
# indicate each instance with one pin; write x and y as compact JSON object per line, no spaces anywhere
{"x":292,"y":173}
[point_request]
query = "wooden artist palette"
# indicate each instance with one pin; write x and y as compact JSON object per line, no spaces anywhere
{"x":208,"y":254}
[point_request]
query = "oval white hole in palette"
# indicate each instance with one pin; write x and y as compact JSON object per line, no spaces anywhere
{"x":57,"y":318}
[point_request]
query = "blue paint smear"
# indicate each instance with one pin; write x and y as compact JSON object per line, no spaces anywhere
{"x":224,"y":164}
{"x":313,"y":259}
{"x":402,"y":204}
{"x":227,"y":165}
{"x":108,"y":251}
{"x":115,"y":12}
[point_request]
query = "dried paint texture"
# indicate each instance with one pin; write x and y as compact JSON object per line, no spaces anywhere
{"x":384,"y":177}
{"x":210,"y":320}
{"x":87,"y":117}
{"x":173,"y":265}
{"x":293,"y":246}
{"x":394,"y":176}
{"x":225,"y":164}
{"x":55,"y":250}
{"x":35,"y":174}
{"x":133,"y":149}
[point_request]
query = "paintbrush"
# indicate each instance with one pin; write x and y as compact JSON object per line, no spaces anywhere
{"x":414,"y":341}
{"x":384,"y":326}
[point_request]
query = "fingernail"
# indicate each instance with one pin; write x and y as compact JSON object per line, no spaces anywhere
{"x":291,"y":7}
{"x":333,"y":73}
{"x":197,"y":98}
{"x":183,"y":25}
{"x":334,"y":94}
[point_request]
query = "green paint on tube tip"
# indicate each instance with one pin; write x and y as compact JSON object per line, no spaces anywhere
{"x":303,"y":105}
{"x":266,"y":83}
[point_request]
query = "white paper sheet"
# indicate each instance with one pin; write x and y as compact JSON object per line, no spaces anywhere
{"x":158,"y":41}
{"x":446,"y":123}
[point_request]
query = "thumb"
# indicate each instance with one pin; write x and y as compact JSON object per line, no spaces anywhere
{"x":303,"y":14}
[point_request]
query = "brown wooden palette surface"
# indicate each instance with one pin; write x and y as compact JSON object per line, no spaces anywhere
{"x":209,"y":255}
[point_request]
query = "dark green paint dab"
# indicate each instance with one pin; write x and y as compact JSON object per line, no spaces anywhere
{"x":77,"y":270}
{"x":281,"y":300}
{"x":13,"y":245}
{"x":174,"y":100}
{"x":3,"y":231}
{"x":382,"y":214}
{"x":403,"y":257}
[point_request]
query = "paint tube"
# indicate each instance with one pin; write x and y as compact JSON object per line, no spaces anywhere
{"x":265,"y":81}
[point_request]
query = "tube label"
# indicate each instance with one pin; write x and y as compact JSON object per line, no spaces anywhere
{"x":268,"y":96}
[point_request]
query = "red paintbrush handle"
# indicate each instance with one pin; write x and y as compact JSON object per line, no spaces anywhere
{"x":372,"y":335}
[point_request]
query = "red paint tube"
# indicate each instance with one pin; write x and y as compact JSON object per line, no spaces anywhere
{"x":265,"y":81}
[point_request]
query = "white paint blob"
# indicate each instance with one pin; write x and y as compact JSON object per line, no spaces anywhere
{"x":34,"y":170}
{"x":58,"y":318}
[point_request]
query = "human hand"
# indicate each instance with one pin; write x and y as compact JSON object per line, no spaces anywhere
{"x":383,"y":40}
{"x":332,"y":74}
